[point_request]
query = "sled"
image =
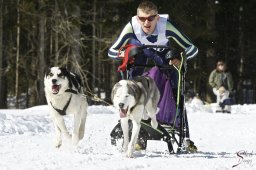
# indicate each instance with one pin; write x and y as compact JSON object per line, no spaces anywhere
{"x":173,"y":130}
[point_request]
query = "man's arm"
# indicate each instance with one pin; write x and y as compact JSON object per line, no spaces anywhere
{"x":126,"y":34}
{"x":172,"y":32}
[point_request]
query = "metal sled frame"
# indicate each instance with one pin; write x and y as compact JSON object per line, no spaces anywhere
{"x":170,"y":134}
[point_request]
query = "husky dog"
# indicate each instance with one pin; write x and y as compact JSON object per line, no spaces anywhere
{"x":136,"y":100}
{"x":64,"y":95}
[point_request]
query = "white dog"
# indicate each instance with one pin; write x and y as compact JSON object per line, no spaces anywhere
{"x":136,"y":99}
{"x":64,"y":96}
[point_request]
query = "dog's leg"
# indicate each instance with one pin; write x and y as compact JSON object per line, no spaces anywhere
{"x":152,"y":111}
{"x":136,"y":117}
{"x":77,"y":124}
{"x":57,"y":141}
{"x":82,"y":126}
{"x":59,"y":122}
{"x":135,"y":132}
{"x":83,"y":120}
{"x":125,"y":128}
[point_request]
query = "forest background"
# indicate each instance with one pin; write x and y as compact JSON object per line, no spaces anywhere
{"x":35,"y":35}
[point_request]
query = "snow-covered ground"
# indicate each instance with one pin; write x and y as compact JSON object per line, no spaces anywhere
{"x":223,"y":140}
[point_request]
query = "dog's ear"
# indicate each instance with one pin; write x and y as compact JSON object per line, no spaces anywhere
{"x":76,"y":80}
{"x":136,"y":90}
{"x":116,"y":86}
{"x":66,"y":73}
{"x":73,"y":79}
{"x":47,"y":71}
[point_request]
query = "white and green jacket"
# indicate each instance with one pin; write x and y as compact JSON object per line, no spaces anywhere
{"x":164,"y":31}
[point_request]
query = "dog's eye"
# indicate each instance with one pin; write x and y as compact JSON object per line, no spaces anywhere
{"x":61,"y":75}
{"x":50,"y":74}
{"x":126,"y":95}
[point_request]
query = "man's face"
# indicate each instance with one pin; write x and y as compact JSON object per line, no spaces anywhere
{"x":221,"y":66}
{"x":147,"y":21}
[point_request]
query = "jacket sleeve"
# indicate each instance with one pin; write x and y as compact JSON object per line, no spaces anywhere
{"x":172,"y":32}
{"x":124,"y":37}
{"x":211,"y":79}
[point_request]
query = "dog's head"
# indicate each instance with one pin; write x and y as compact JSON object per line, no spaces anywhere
{"x":59,"y":79}
{"x":125,"y":95}
{"x":55,"y":80}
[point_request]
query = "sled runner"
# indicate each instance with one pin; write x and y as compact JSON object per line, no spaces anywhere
{"x":172,"y":117}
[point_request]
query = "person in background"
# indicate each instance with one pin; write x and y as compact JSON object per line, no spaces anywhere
{"x":221,"y":82}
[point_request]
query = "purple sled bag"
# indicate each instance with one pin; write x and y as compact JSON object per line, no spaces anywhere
{"x":166,"y":104}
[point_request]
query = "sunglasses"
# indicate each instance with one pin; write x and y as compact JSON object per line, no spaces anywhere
{"x":220,"y":64}
{"x":150,"y":18}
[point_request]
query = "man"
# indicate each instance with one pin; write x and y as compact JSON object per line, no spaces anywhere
{"x":221,"y":81}
{"x":150,"y":28}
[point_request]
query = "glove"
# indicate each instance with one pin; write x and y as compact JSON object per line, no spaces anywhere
{"x":150,"y":54}
{"x":172,"y":54}
{"x":131,"y":60}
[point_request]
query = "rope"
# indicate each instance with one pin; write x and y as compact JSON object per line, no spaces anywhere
{"x":94,"y":97}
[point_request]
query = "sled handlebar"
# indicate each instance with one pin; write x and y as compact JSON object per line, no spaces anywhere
{"x":130,"y":51}
{"x":154,"y":46}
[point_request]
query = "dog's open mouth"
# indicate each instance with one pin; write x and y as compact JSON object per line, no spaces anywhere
{"x":123,"y":112}
{"x":55,"y":89}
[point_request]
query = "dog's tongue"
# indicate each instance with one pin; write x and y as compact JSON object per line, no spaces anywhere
{"x":55,"y":88}
{"x":123,"y":112}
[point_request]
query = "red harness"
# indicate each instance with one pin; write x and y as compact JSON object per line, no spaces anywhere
{"x":126,"y":58}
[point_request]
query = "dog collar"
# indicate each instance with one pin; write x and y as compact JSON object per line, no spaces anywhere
{"x":71,"y":91}
{"x":63,"y":111}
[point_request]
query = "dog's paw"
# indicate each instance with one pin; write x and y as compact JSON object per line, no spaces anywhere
{"x":57,"y":143}
{"x":75,"y":139}
{"x":129,"y":153}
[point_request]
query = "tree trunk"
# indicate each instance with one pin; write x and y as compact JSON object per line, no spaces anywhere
{"x":2,"y":76}
{"x":93,"y":45}
{"x":210,"y":53}
{"x":75,"y":52}
{"x":241,"y":44}
{"x":17,"y":58}
{"x":56,"y":36}
{"x":42,"y":65}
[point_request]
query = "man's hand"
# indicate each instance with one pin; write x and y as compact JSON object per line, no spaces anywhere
{"x":175,"y":62}
{"x":121,"y":54}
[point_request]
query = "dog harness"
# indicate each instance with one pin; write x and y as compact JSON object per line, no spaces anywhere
{"x":63,"y":111}
{"x":71,"y":91}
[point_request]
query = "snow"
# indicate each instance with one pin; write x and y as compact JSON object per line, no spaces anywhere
{"x":26,"y":142}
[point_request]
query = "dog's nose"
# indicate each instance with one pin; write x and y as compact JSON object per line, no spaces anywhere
{"x":54,"y":81}
{"x":121,"y":105}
